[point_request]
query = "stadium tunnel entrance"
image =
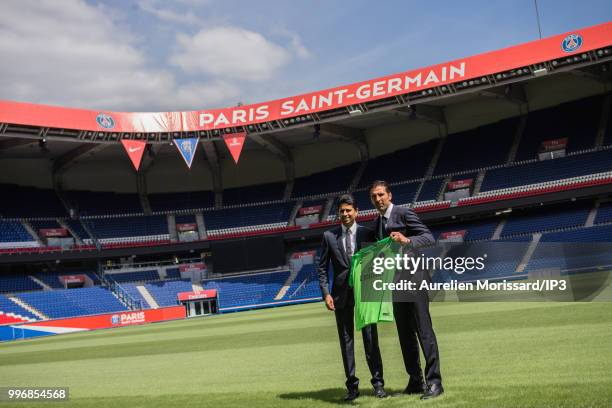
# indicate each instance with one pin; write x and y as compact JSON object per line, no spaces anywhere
{"x":199,"y":303}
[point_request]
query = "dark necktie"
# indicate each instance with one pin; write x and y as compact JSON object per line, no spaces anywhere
{"x":381,"y":228}
{"x":348,"y":243}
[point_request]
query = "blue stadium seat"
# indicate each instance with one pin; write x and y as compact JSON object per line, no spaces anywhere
{"x":253,"y":194}
{"x":23,"y":202}
{"x":548,"y":170}
{"x":402,"y":165}
{"x":246,"y":216}
{"x":577,"y":120}
{"x":189,"y":200}
{"x":547,"y":218}
{"x":73,"y":302}
{"x":326,"y":182}
{"x":492,"y":144}
{"x":103,"y":203}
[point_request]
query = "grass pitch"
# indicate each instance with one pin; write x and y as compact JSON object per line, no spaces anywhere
{"x":492,"y":355}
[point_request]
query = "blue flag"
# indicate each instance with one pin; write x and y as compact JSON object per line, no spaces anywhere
{"x":187,"y":148}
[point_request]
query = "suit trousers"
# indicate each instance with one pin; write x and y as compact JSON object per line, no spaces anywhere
{"x":413,"y":323}
{"x":346,"y":328}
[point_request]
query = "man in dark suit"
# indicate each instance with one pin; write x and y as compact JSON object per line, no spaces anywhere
{"x":339,"y":244}
{"x":411,"y":312}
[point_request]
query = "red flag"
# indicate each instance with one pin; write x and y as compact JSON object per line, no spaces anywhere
{"x":134,"y":149}
{"x":234,"y":142}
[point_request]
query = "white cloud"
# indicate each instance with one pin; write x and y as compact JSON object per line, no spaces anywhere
{"x":231,"y":53}
{"x":168,"y":15}
{"x":74,"y":55}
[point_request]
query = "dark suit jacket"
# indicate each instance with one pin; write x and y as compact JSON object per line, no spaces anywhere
{"x":406,"y":221}
{"x":332,"y":250}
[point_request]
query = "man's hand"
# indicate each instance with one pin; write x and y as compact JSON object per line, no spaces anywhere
{"x":399,"y":237}
{"x":329,"y":303}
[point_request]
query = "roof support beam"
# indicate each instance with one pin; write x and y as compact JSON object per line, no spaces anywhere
{"x":514,"y":93}
{"x":350,"y":135}
{"x":212,"y":160}
{"x":280,"y":150}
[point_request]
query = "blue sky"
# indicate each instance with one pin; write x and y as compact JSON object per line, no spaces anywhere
{"x":155,"y":55}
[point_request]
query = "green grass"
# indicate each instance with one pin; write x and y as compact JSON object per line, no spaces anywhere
{"x":492,"y":355}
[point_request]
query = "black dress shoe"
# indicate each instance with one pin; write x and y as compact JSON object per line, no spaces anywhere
{"x":379,"y":392}
{"x":351,"y":395}
{"x":433,"y":391}
{"x":415,"y":387}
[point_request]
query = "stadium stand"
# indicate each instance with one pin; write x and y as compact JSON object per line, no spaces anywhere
{"x":14,"y":234}
{"x":548,"y":170}
{"x":546,"y":218}
{"x":165,"y":292}
{"x":493,"y":141}
{"x":135,"y":276}
{"x":103,"y":203}
{"x":73,"y":302}
{"x":414,"y":162}
{"x":604,"y":213}
{"x":190,"y":200}
{"x":253,"y":194}
{"x":11,"y":309}
{"x":331,"y":181}
{"x":247,"y":290}
{"x":21,"y":201}
{"x":17,"y":283}
{"x":576,"y":120}
{"x":248,"y":216}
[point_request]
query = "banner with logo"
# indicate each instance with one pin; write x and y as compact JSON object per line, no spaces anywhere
{"x":459,"y":184}
{"x":234,"y":143}
{"x":313,"y":209}
{"x":135,"y":150}
{"x":416,"y":80}
{"x":102,"y":321}
{"x":453,"y":235}
{"x":187,"y":227}
{"x":553,"y":144}
{"x":53,"y":232}
{"x":187,"y":148}
{"x":197,"y":294}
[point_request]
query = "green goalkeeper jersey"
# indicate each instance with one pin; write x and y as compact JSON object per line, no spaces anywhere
{"x":371,"y":305}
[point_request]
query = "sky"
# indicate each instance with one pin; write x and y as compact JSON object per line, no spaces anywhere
{"x":162,"y":55}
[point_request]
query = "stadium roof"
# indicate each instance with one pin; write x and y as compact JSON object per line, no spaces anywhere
{"x":577,"y":62}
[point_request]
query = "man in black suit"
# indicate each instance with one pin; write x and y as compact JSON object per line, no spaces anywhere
{"x":411,"y":312}
{"x":339,"y":244}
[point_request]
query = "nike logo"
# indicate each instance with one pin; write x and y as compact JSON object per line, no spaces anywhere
{"x":134,"y":149}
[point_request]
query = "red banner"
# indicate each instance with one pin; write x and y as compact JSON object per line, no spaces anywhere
{"x":53,"y":232}
{"x":135,"y":150}
{"x":460,"y":70}
{"x":198,"y":266}
{"x":303,"y":254}
{"x":187,"y":227}
{"x":459,"y":184}
{"x":314,"y":209}
{"x":114,"y":319}
{"x":197,"y":294}
{"x":553,"y":144}
{"x":453,"y":234}
{"x":234,"y":143}
{"x":72,"y":278}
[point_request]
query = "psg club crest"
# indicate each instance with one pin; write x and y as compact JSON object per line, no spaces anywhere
{"x":187,"y":148}
{"x":105,"y":121}
{"x":115,"y":319}
{"x":571,"y":43}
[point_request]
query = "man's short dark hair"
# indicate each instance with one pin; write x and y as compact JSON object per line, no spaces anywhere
{"x":380,"y":183}
{"x":347,"y":199}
